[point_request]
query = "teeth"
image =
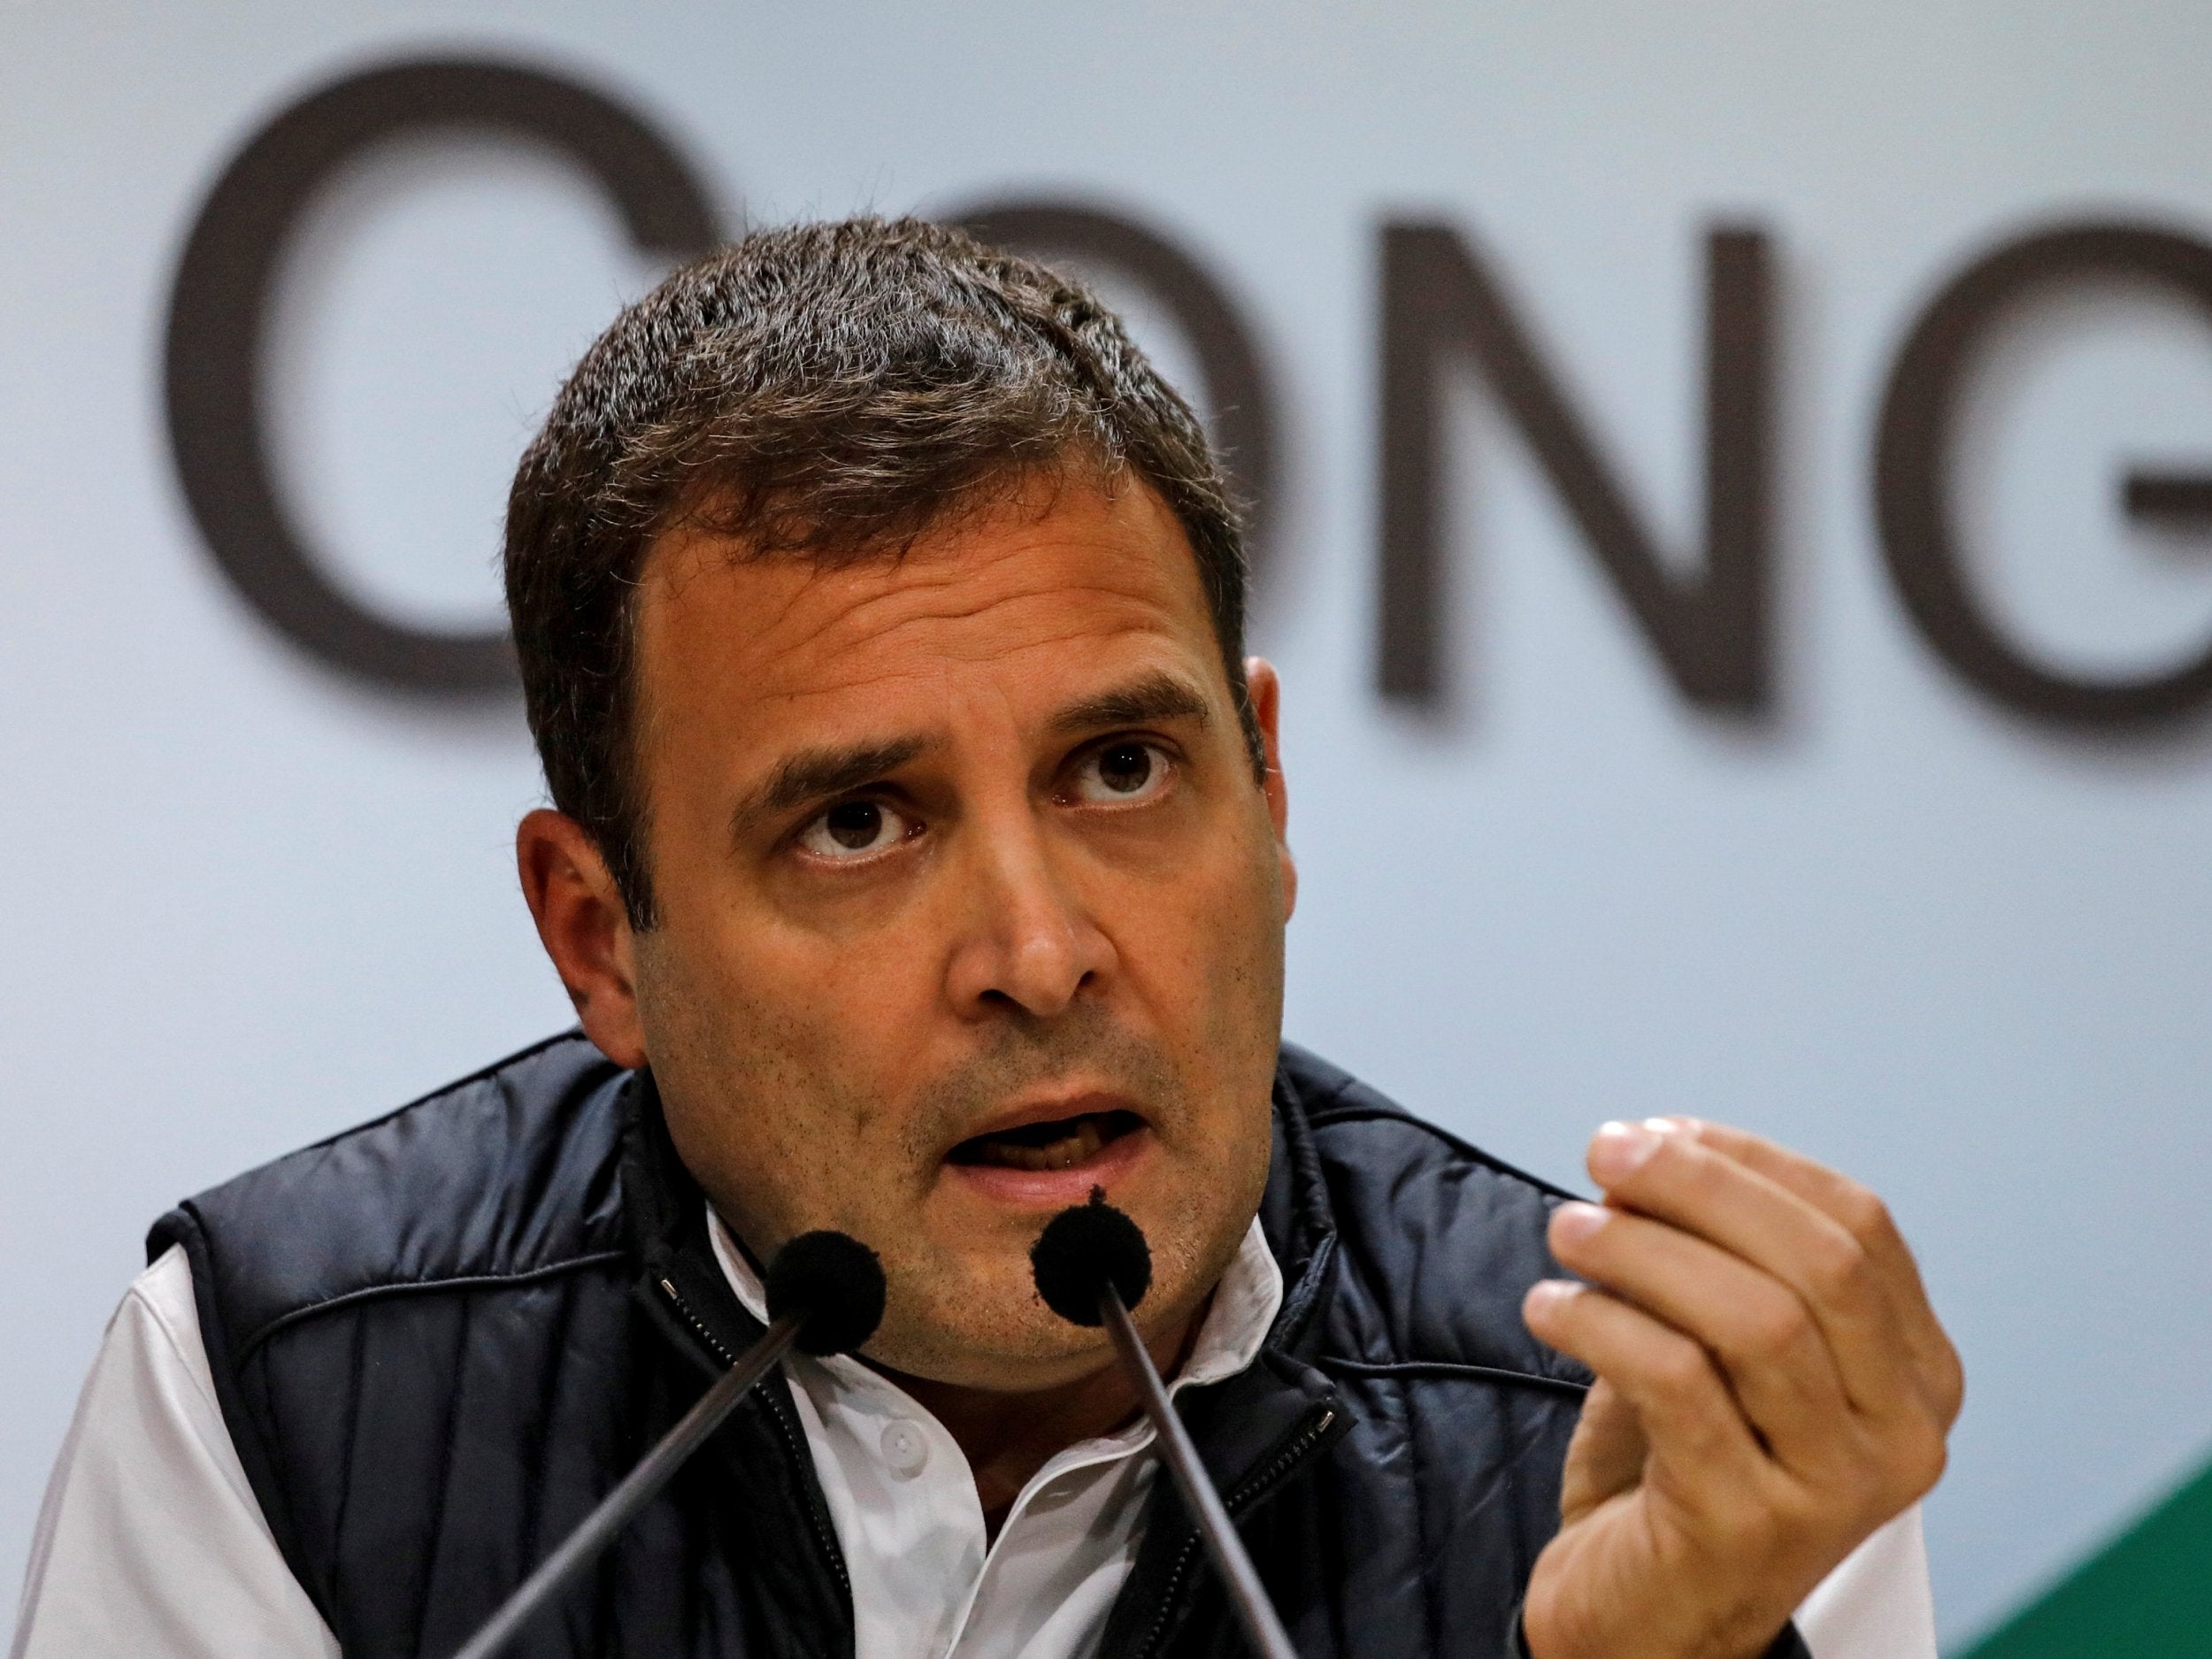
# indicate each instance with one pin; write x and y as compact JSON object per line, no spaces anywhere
{"x":1063,"y":1154}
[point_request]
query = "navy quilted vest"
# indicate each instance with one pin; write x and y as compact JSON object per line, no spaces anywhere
{"x":439,"y":1338}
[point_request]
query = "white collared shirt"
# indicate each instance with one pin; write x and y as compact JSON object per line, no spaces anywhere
{"x":150,"y":1542}
{"x":927,"y":1583}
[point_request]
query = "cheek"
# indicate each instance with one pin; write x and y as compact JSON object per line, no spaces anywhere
{"x":1230,"y":935}
{"x":1245,"y":1015}
{"x":770,"y":1087}
{"x":1207,"y":963}
{"x":831,"y":1001}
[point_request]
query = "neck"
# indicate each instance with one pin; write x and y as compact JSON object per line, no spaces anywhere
{"x":1007,"y":1437}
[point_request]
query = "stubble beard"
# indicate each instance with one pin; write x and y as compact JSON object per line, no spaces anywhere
{"x":734,"y":1077}
{"x":971,"y":1316}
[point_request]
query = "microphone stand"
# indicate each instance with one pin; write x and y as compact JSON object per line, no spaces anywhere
{"x":637,"y":1489}
{"x":1253,"y":1609}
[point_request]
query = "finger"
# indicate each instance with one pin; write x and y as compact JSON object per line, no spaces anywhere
{"x":1769,"y":1347}
{"x":1861,"y":1213}
{"x":1858,"y":1211}
{"x":1698,"y":1437}
{"x":1671,"y":1176}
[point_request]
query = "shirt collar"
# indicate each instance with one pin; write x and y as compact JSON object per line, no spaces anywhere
{"x":1237,"y":1321}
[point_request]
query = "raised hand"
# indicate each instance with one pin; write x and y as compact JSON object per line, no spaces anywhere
{"x":1772,"y":1387}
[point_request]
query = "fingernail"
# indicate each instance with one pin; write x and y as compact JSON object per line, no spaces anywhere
{"x":1573,"y":1222}
{"x":1619,"y":1151}
{"x":1545,"y":1295}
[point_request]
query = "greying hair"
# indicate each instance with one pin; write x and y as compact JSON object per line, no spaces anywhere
{"x":829,"y":391}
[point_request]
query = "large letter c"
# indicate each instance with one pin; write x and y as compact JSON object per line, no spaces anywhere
{"x":221,"y":301}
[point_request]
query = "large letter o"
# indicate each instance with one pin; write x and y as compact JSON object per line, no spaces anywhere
{"x":1237,"y":385}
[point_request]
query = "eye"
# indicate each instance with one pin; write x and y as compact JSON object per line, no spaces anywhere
{"x":853,"y":829}
{"x":1121,"y":772}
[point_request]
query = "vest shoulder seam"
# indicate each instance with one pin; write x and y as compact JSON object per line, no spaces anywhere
{"x":1455,"y":1370}
{"x":483,"y":1073}
{"x":1330,"y":1115}
{"x":414,"y":1287}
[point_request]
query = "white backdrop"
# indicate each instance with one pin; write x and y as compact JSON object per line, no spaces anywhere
{"x":250,"y":903}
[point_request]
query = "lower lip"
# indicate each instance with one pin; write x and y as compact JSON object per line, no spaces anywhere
{"x":1055,"y":1189}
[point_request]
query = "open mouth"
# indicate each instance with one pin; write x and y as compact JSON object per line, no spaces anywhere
{"x":1062,"y":1144}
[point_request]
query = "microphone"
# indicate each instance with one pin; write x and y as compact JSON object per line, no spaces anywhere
{"x":1091,"y":1266}
{"x":825,"y":1297}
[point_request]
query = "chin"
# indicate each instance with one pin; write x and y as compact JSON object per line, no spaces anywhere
{"x":974,"y":1320}
{"x":1014,"y":1348}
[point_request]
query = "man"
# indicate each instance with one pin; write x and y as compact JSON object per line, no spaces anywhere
{"x":916,"y":866}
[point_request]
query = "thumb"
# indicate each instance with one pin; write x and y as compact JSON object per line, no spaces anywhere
{"x":1605,"y":1458}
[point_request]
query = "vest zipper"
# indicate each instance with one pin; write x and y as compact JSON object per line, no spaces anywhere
{"x":713,"y":1343}
{"x":1301,"y":1441}
{"x":786,"y":1430}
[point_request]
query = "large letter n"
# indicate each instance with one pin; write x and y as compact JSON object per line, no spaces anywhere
{"x":1709,"y":629}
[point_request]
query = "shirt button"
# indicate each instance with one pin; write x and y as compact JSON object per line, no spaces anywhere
{"x":906,"y":1448}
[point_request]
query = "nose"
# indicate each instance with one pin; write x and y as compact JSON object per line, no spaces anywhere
{"x":1028,"y":942}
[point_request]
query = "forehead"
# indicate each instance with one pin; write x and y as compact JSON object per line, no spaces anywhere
{"x":1060,"y":589}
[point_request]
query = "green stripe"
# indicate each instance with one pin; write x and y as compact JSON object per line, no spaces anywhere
{"x":2146,"y":1596}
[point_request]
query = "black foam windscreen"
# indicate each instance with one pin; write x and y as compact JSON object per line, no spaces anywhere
{"x":834,"y":1284}
{"x":1081,"y":1251}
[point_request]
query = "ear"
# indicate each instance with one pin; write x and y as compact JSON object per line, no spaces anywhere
{"x":1266,"y":688}
{"x":584,"y":928}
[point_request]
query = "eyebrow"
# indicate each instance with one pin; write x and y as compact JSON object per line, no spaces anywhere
{"x":814,"y":774}
{"x":1158,"y":695}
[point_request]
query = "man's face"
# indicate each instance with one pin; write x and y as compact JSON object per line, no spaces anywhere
{"x":968,"y":903}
